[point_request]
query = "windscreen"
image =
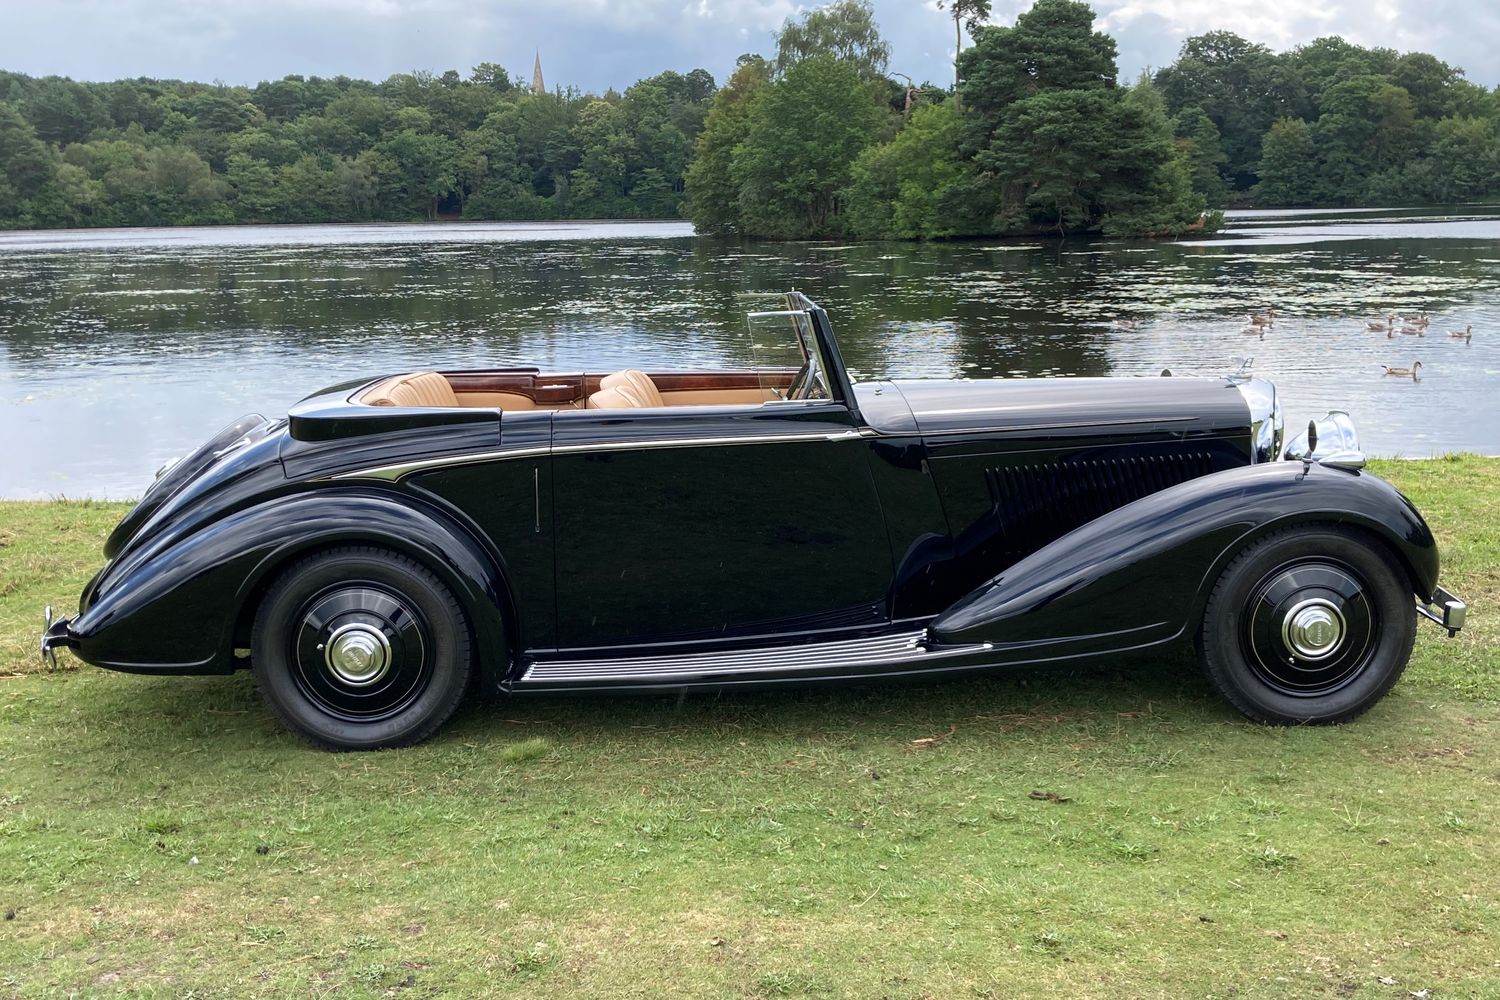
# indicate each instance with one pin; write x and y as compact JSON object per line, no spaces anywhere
{"x":786,"y":353}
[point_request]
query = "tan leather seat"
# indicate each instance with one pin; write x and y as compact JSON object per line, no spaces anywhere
{"x":633,"y":383}
{"x":614,"y":399}
{"x":416,"y":389}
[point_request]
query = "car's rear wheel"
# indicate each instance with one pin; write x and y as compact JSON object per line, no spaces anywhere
{"x":358,"y":648}
{"x":1308,"y":625}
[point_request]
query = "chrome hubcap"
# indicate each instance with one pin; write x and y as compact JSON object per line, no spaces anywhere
{"x":1310,"y":627}
{"x":357,"y":654}
{"x":1313,"y":628}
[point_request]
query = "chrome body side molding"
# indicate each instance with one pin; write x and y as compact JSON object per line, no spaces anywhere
{"x":393,"y":473}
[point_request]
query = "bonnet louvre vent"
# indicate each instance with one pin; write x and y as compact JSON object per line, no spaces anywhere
{"x":1036,"y":504}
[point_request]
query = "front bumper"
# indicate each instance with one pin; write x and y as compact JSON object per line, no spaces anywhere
{"x":1446,"y":610}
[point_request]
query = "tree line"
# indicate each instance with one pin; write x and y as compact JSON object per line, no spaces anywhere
{"x":1036,"y":134}
{"x":414,"y":146}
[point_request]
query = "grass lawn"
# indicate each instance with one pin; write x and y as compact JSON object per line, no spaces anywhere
{"x":1093,"y":833}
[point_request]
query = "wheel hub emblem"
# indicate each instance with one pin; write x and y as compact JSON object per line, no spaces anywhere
{"x":357,"y":654}
{"x":1313,"y":629}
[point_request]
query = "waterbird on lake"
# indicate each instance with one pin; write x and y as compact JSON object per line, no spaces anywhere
{"x":1414,"y":331}
{"x":1466,"y":334}
{"x":1412,"y":371}
{"x":1254,"y":331}
{"x":1385,"y":327}
{"x":1268,"y":318}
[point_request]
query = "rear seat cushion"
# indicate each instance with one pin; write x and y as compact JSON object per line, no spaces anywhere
{"x":417,"y":389}
{"x":618,"y":398}
{"x":634,"y":382}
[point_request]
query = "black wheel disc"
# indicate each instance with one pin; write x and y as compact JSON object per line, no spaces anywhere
{"x":1309,"y":627}
{"x":360,"y":652}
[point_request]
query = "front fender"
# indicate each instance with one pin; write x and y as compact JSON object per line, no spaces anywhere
{"x":1141,"y":574}
{"x":170,"y":605}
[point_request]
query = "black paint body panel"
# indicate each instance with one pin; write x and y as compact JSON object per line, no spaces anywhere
{"x":1034,"y":520}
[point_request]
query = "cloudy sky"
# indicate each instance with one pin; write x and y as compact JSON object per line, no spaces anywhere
{"x":595,"y":44}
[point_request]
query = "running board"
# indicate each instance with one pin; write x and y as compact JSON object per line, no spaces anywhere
{"x":817,"y":658}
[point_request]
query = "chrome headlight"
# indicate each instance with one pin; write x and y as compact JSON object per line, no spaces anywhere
{"x":1267,"y":428}
{"x":1336,"y":443}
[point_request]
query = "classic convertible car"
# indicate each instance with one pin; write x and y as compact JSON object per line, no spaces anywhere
{"x":395,"y":543}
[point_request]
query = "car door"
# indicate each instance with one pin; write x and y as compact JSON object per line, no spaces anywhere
{"x":719,"y":522}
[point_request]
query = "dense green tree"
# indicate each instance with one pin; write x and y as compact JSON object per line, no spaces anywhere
{"x":712,"y":190}
{"x":69,"y":198}
{"x":1147,"y":181}
{"x":425,"y":169}
{"x":1237,"y":84}
{"x":1053,"y":46}
{"x":1430,"y":82}
{"x":1058,"y":146}
{"x":1199,"y":144}
{"x":805,"y":131}
{"x":1367,"y":125}
{"x":1288,"y":164}
{"x":844,"y":30}
{"x":61,"y":110}
{"x":1467,"y":154}
{"x":25,"y":162}
{"x":906,"y":188}
{"x":492,"y":76}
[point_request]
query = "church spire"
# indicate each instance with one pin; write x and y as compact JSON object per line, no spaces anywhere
{"x":537,"y":86}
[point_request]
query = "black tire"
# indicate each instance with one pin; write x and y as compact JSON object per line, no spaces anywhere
{"x":359,"y":648}
{"x":1308,"y":625}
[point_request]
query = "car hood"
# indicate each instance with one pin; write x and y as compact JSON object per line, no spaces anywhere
{"x":957,"y":406}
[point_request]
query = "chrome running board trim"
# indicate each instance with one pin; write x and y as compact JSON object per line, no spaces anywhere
{"x":877,"y":651}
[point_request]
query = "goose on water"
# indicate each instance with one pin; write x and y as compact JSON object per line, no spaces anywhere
{"x":1382,"y":327}
{"x":1410,"y":372}
{"x":1466,"y":334}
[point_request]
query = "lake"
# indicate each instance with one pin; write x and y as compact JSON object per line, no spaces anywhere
{"x":122,"y":348}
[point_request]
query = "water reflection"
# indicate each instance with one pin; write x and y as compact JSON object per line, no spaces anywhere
{"x":120,"y":349}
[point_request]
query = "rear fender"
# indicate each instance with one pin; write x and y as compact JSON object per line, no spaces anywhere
{"x":1140,"y":575}
{"x":171,"y":606}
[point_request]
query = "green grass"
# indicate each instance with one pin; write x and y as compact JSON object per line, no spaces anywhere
{"x":1093,"y":833}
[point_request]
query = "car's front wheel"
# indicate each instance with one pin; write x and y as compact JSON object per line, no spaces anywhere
{"x":358,"y":648}
{"x":1308,"y":625}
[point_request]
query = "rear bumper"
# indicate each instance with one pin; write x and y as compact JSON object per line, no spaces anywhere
{"x":54,"y":634}
{"x":1446,"y":610}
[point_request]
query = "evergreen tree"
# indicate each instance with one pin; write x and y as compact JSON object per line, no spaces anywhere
{"x":1058,"y":146}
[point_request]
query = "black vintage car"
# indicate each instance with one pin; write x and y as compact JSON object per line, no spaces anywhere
{"x":393,"y":544}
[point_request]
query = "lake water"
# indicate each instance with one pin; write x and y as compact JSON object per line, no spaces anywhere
{"x":122,"y":348}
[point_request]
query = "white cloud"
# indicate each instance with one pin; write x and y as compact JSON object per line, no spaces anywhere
{"x":595,"y":44}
